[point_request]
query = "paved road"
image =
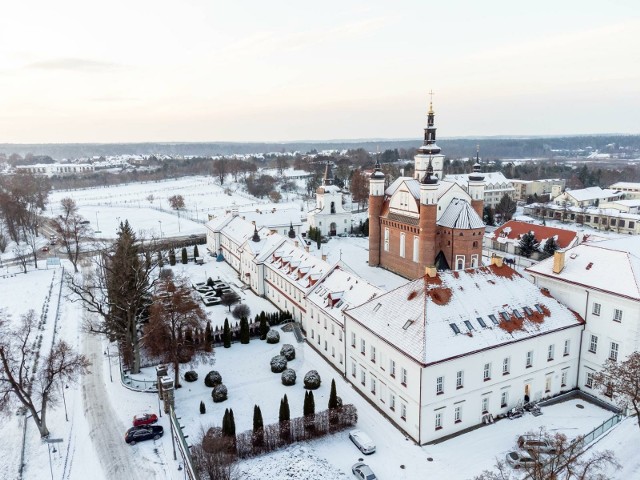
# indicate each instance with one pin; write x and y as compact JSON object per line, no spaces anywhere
{"x":116,"y":457}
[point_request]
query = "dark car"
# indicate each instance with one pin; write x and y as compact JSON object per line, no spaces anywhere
{"x":147,"y":432}
{"x":144,"y":419}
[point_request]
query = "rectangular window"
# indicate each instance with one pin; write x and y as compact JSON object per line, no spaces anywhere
{"x":402,"y":247}
{"x":506,"y":363}
{"x":363,"y":377}
{"x":504,"y":399}
{"x":403,"y":378}
{"x":373,"y":385}
{"x":353,"y":339}
{"x":487,"y":372}
{"x":403,"y":411}
{"x":340,"y":334}
{"x":392,"y":368}
{"x":481,"y":322}
{"x":529,"y":362}
{"x":589,"y":380}
{"x":325,"y":345}
{"x":333,"y":329}
{"x":416,"y":249}
{"x":392,"y":401}
{"x":563,"y":378}
{"x":457,"y":414}
{"x":362,"y":346}
{"x":333,"y":352}
{"x":468,"y":325}
{"x":485,"y":405}
{"x":438,"y":420}
{"x":455,"y":328}
{"x":325,"y":323}
{"x":386,"y":239}
{"x":439,"y":385}
{"x":550,"y":352}
{"x":373,"y":354}
{"x":493,"y":318}
{"x":353,"y":370}
{"x":593,"y":344}
{"x":596,"y":308}
{"x":460,"y":379}
{"x":617,"y":315}
{"x":613,"y":352}
{"x":341,"y":359}
{"x":566,"y":347}
{"x":547,"y":384}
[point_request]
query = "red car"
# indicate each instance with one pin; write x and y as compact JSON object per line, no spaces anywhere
{"x":44,"y":249}
{"x":144,"y":419}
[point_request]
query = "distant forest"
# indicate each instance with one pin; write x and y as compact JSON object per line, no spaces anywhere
{"x":490,"y":147}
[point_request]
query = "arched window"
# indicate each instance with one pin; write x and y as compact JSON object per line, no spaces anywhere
{"x":475,"y":244}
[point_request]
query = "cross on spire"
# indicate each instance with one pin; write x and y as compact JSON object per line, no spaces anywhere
{"x":431,"y":101}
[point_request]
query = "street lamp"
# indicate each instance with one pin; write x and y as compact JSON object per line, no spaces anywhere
{"x":160,"y":222}
{"x":97,"y":224}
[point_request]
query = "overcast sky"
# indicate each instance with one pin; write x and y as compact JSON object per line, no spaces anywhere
{"x":270,"y":70}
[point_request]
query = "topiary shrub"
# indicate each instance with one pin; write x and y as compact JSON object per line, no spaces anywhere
{"x":212,"y":379}
{"x":278,"y":364}
{"x":312,"y":380}
{"x":219,"y":393}
{"x":190,"y":376}
{"x":289,"y":377}
{"x":288,"y":351}
{"x":273,"y":336}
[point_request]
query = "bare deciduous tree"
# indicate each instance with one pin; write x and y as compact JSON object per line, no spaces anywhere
{"x":174,"y":313}
{"x":35,"y":388}
{"x":72,"y":229}
{"x":621,"y":380}
{"x":176,"y":202}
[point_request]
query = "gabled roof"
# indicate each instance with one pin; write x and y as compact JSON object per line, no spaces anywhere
{"x":412,"y":185}
{"x":612,"y":266}
{"x":459,"y":214}
{"x":591,"y":193}
{"x":513,"y":230}
{"x":417,"y":317}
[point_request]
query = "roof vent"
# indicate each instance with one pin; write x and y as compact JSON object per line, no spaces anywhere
{"x":407,"y":324}
{"x":589,"y":265}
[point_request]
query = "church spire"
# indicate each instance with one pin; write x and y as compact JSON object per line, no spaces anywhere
{"x":429,"y":178}
{"x":429,"y":145}
{"x":477,"y":167}
{"x":256,"y":237}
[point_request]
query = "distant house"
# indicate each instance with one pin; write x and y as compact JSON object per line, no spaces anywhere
{"x":631,"y":190}
{"x":495,"y":187}
{"x":524,"y":189}
{"x":585,"y":197}
{"x":506,"y":238}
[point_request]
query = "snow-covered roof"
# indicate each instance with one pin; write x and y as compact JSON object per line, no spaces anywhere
{"x":411,"y":183}
{"x":459,"y":214}
{"x":611,"y":265}
{"x":621,"y":185}
{"x":297,"y":264}
{"x":238,"y":230}
{"x":330,"y":188}
{"x":433,"y":319}
{"x":339,"y":290}
{"x":591,"y":193}
{"x":273,"y":217}
{"x":490,"y":178}
{"x":513,"y":230}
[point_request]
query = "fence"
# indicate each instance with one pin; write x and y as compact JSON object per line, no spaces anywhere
{"x":149,"y":386}
{"x":602,"y":428}
{"x":183,"y":446}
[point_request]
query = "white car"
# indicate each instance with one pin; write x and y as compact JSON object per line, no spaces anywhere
{"x":520,"y":459}
{"x":362,"y":471}
{"x":362,"y":441}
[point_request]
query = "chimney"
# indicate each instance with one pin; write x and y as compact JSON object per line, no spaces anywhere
{"x":296,"y":243}
{"x":497,"y":261}
{"x":324,"y":257}
{"x":431,"y":270}
{"x":558,"y":261}
{"x":306,"y":248}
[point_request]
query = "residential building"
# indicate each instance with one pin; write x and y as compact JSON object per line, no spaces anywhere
{"x":586,"y":197}
{"x":496,"y":186}
{"x":524,"y":189}
{"x":506,"y":238}
{"x":613,"y":219}
{"x":630,"y":190}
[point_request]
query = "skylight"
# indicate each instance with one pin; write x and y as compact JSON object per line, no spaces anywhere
{"x":468,"y":324}
{"x":505,"y":316}
{"x":481,"y":322}
{"x":377,"y":307}
{"x":407,"y":324}
{"x":517,"y":313}
{"x":539,"y":308}
{"x":527,"y":310}
{"x":493,"y":318}
{"x":455,"y":328}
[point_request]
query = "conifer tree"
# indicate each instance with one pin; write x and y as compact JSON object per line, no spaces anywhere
{"x":226,"y":334}
{"x":172,"y":257}
{"x":258,"y":426}
{"x":185,"y":258}
{"x":244,"y":331}
{"x":196,"y":254}
{"x":225,"y":422}
{"x":333,"y":396}
{"x":309,"y":407}
{"x":160,"y":260}
{"x":528,"y":244}
{"x":232,"y":424}
{"x":284,"y":414}
{"x":203,"y":409}
{"x":550,"y":246}
{"x":208,"y":337}
{"x":264,"y":327}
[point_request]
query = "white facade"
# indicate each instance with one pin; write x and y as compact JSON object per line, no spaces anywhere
{"x":329,"y":215}
{"x":585,"y":197}
{"x":601,"y":282}
{"x":496,"y":185}
{"x":630,"y":190}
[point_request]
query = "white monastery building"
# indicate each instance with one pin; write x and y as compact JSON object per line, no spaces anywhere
{"x":329,"y":215}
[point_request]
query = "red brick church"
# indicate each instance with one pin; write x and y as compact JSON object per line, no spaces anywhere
{"x":425,"y":221}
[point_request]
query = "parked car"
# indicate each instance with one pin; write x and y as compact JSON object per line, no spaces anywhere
{"x":362,"y":441}
{"x":44,"y":249}
{"x":146,"y":432}
{"x":363,"y":471}
{"x":520,"y":459}
{"x":532,"y":443}
{"x":144,"y":419}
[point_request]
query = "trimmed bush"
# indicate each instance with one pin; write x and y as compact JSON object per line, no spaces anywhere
{"x":203,"y":409}
{"x":288,"y":351}
{"x":219,"y":393}
{"x":212,"y":379}
{"x":312,"y":380}
{"x":278,"y":364}
{"x":289,"y":377}
{"x":190,"y":376}
{"x":273,"y":336}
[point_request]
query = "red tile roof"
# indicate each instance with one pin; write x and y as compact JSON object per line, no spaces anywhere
{"x":564,"y":237}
